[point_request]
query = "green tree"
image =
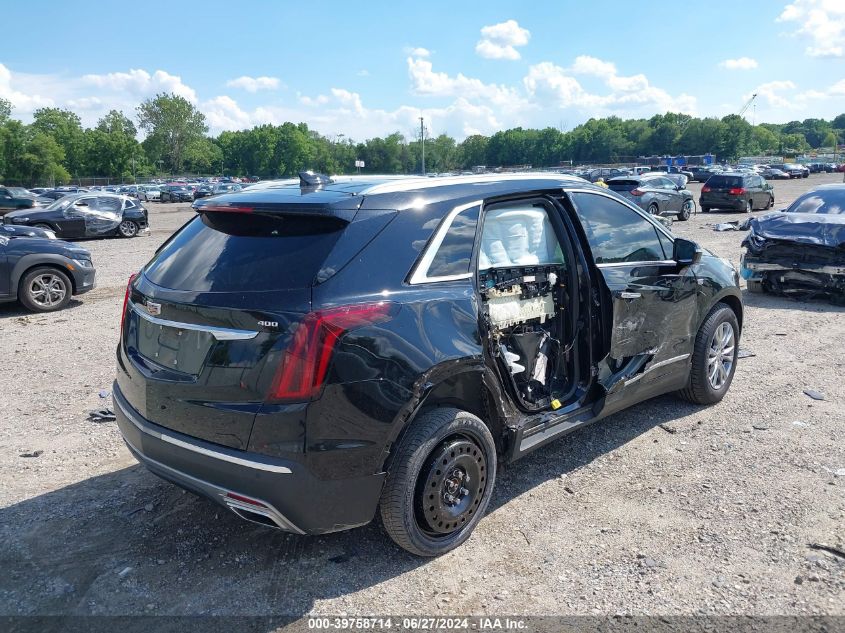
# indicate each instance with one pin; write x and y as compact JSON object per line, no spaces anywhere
{"x":473,"y":151}
{"x":172,"y":123}
{"x":116,"y":122}
{"x":65,"y":128}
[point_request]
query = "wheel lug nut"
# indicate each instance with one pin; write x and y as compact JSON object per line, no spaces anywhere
{"x":464,"y":492}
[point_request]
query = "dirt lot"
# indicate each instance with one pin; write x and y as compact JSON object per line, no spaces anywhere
{"x":666,"y":508}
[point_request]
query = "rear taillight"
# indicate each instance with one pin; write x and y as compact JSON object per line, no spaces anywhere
{"x":705,"y":189}
{"x":126,"y":299}
{"x":736,"y":191}
{"x":637,"y":192}
{"x":306,"y":362}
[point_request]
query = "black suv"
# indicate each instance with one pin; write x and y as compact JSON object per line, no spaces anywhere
{"x":40,"y":272}
{"x":737,"y":191}
{"x":304,"y":354}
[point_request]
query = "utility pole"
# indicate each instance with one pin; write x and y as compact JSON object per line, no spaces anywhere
{"x":422,"y":142}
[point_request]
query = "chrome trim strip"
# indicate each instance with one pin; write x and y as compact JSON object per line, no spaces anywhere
{"x":272,"y":468}
{"x":420,"y":275}
{"x":811,"y":268}
{"x":220,"y":333}
{"x":658,"y":365}
{"x":269,"y":511}
{"x":662,"y":262}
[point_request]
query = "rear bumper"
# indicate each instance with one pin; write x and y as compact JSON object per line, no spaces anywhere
{"x":270,"y":491}
{"x":737,"y":204}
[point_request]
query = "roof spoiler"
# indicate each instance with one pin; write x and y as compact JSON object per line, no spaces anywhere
{"x":308,"y":179}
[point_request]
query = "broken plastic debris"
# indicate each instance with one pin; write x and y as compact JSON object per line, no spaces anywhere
{"x":744,"y":353}
{"x":101,"y":415}
{"x":37,"y":453}
{"x":815,"y":395}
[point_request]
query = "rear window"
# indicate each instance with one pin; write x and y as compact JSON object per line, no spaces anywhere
{"x":623,"y":185}
{"x":233,"y":252}
{"x":725,"y":181}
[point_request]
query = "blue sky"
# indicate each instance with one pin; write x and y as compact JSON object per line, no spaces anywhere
{"x":370,"y":68}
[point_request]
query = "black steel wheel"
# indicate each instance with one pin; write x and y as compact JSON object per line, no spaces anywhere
{"x":439,"y":482}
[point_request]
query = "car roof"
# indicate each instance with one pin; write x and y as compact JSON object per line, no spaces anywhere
{"x":400,"y":192}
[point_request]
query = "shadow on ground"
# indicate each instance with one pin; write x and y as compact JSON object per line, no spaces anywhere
{"x":128,"y":543}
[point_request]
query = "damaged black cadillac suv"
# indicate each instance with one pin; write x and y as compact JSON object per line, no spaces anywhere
{"x":309,"y":353}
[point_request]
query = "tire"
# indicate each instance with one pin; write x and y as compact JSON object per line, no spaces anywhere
{"x":705,"y":209}
{"x":686,"y":210}
{"x":654,"y":209}
{"x":128,"y":228}
{"x":45,"y":289}
{"x":701,"y":387}
{"x":771,"y":202}
{"x":749,"y":206}
{"x":411,"y":509}
{"x":754,"y":286}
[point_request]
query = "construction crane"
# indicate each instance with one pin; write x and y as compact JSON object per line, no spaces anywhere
{"x":748,"y":104}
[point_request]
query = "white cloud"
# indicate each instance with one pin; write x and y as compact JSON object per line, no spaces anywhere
{"x":417,"y":51}
{"x":254,"y":84}
{"x":313,"y":101}
{"x":587,"y":65}
{"x":426,"y":82}
{"x":139,"y":82}
{"x":224,"y":113}
{"x":741,"y":63}
{"x":838,"y":89}
{"x":820,"y":21}
{"x":771,"y":93}
{"x":363,"y":73}
{"x":24,"y":101}
{"x":499,"y":41}
{"x":629,"y":95}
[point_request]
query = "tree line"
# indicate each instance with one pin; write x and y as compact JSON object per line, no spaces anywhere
{"x":56,"y":149}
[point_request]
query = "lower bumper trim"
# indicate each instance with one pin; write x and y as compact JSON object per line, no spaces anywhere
{"x":216,"y":493}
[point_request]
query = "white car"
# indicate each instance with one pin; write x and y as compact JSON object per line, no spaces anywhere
{"x":149,"y":192}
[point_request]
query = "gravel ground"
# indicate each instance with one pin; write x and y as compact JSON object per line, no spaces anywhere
{"x":666,"y":508}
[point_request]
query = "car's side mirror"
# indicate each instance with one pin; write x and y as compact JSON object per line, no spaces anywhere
{"x":686,"y":252}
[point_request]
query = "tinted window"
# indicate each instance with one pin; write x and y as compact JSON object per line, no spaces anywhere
{"x":225,"y":252}
{"x":830,"y":201}
{"x":455,"y":252}
{"x":725,"y":181}
{"x":625,"y":185}
{"x":615,"y":232}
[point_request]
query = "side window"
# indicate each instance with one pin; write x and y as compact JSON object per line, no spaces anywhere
{"x":107,"y":204}
{"x":615,"y":232}
{"x":519,"y":234}
{"x":450,"y":252}
{"x":666,"y":183}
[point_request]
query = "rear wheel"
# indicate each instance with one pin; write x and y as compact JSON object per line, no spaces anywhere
{"x":128,"y":228}
{"x":654,"y":209}
{"x":686,"y":210}
{"x":771,"y":202}
{"x":45,"y":290}
{"x":440,"y":482}
{"x":749,"y":206}
{"x":714,"y":357}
